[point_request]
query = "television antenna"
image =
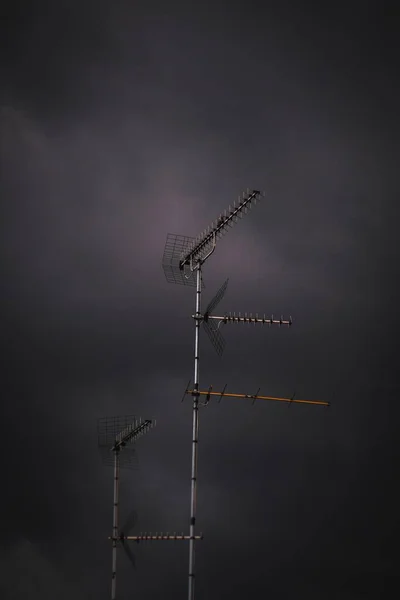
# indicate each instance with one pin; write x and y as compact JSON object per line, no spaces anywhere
{"x":114,"y":435}
{"x":182,"y":263}
{"x":117,"y":434}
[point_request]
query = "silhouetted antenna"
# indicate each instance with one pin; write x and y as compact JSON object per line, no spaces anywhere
{"x":182,"y":258}
{"x":114,"y":435}
{"x":108,"y":428}
{"x":116,"y":440}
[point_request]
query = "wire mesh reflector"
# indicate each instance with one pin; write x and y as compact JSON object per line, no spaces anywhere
{"x":215,"y":336}
{"x":174,"y":247}
{"x":217,"y":299}
{"x":109,"y":430}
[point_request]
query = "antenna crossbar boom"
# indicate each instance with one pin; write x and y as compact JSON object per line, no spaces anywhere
{"x":131,"y":433}
{"x":148,"y":537}
{"x":200,"y":248}
{"x":224,"y":394}
{"x":250,"y":319}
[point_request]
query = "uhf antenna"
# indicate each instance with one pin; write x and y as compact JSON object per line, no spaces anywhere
{"x":212,"y":323}
{"x":182,"y":263}
{"x":114,"y":435}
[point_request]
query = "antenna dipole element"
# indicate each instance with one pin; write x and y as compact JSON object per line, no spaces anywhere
{"x":204,"y":244}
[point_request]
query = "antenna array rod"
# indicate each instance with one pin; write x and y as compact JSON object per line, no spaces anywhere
{"x":195,"y":252}
{"x":224,"y":394}
{"x":232,"y":318}
{"x":131,"y":433}
{"x":145,"y":537}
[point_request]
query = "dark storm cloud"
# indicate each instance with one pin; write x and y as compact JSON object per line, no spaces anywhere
{"x":120,"y":125}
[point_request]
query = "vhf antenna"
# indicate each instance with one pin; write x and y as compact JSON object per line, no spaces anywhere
{"x":224,"y":394}
{"x":182,"y":263}
{"x":114,"y":435}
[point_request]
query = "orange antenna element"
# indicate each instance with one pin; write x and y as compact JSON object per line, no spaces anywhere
{"x":255,"y":397}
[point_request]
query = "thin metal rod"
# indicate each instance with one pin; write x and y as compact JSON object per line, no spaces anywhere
{"x":257,"y":397}
{"x":250,"y":319}
{"x":193,"y":490}
{"x":148,"y":537}
{"x":115,"y":526}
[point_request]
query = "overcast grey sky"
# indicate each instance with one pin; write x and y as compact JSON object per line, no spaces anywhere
{"x":120,"y":123}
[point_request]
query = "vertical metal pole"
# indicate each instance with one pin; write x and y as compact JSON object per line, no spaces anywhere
{"x":195,"y":436}
{"x":115,"y":526}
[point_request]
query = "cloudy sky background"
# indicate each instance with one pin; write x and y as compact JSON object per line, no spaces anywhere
{"x":122,"y":123}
